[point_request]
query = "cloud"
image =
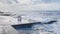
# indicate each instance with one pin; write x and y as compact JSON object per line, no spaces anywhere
{"x":50,"y":6}
{"x":40,"y":5}
{"x":25,"y":5}
{"x":51,"y":1}
{"x":24,"y":1}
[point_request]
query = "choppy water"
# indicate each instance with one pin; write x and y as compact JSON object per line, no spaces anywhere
{"x":53,"y":28}
{"x":43,"y":29}
{"x":40,"y":29}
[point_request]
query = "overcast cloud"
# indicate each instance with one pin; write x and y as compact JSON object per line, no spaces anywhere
{"x":20,"y":5}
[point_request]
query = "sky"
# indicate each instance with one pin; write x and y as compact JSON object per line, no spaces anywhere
{"x":26,"y":5}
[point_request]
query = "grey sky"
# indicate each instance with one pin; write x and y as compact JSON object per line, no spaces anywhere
{"x":20,"y":5}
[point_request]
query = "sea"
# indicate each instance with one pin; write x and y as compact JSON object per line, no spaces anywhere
{"x":44,"y":17}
